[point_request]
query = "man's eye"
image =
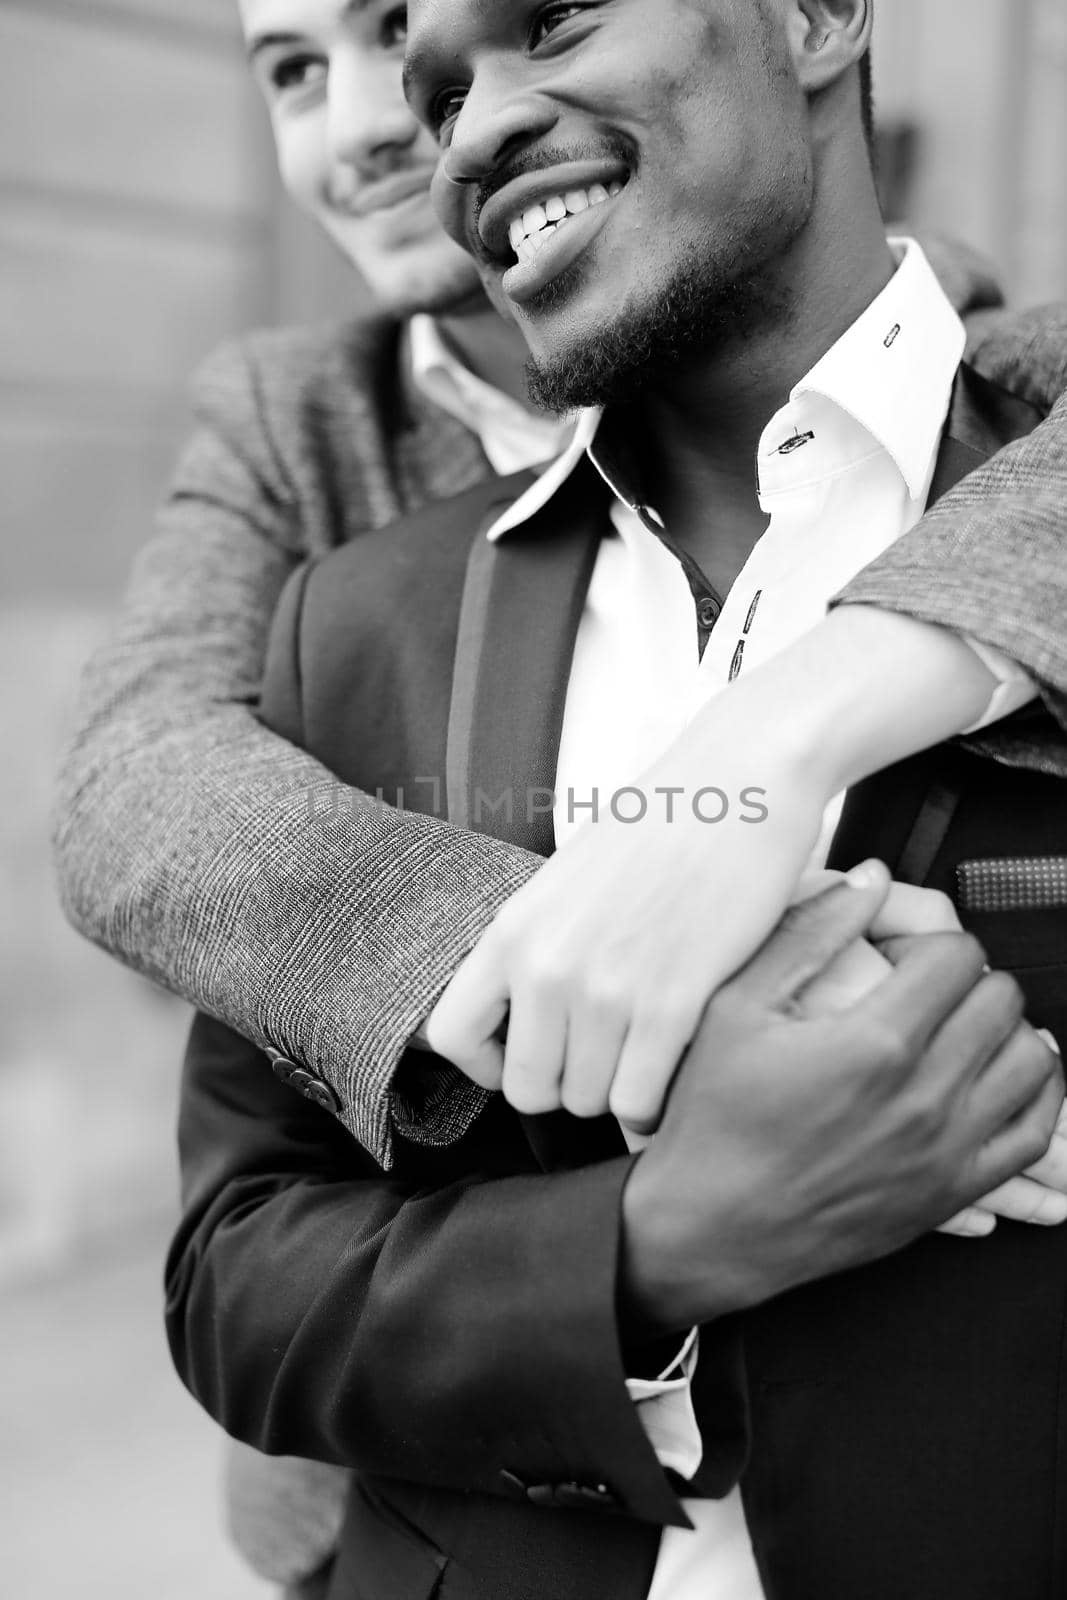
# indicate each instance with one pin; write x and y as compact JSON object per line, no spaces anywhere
{"x":297,"y":72}
{"x":395,"y":27}
{"x":549,"y":19}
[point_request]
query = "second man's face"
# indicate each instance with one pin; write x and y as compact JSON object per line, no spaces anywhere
{"x":350,"y":151}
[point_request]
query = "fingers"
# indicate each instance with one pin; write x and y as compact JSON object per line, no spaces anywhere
{"x":646,"y":1068}
{"x":467,"y":1024}
{"x":985,"y":1029}
{"x":849,"y":976}
{"x":1023,"y":1200}
{"x":1019,"y":1143}
{"x":933,"y":975}
{"x":1016,"y":1075}
{"x":1039,"y":1195}
{"x":534,"y":1052}
{"x":973,"y":1223}
{"x":910,"y":911}
{"x":811,"y":934}
{"x":595,"y":1042}
{"x":1051,"y":1170}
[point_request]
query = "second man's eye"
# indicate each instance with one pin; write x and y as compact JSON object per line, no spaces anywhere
{"x":395,"y":27}
{"x":297,"y":72}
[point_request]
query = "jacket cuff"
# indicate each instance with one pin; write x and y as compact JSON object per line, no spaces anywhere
{"x":351,"y":986}
{"x":550,"y":1420}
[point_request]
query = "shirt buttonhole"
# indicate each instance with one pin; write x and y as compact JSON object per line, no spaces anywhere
{"x":797,"y":442}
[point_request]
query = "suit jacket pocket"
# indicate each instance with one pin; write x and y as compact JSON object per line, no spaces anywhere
{"x":381,"y":1556}
{"x":1013,"y":883}
{"x":1017,"y":907}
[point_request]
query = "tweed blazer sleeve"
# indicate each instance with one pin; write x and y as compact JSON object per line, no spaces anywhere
{"x":990,"y":559}
{"x":181,"y":836}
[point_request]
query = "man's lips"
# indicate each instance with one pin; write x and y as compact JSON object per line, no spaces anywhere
{"x":364,"y":199}
{"x":533,"y":188}
{"x":534,"y":271}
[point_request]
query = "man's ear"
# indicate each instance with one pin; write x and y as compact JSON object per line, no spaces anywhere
{"x":827,"y":37}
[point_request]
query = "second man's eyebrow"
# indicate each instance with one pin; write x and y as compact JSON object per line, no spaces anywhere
{"x":270,"y":41}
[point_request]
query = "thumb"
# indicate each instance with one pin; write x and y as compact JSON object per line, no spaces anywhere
{"x":812,"y":934}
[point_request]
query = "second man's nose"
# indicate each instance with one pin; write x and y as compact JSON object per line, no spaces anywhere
{"x":369,"y":120}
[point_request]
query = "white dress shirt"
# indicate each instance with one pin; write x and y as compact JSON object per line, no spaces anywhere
{"x":844,"y":468}
{"x":512,"y":436}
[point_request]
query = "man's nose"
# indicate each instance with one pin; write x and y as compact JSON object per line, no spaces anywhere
{"x":497,"y":120}
{"x":369,"y":121}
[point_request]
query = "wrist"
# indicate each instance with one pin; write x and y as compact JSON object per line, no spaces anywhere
{"x":668,"y":1282}
{"x":867,"y":688}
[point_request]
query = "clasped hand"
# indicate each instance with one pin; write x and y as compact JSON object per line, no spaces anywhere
{"x":553,"y":1029}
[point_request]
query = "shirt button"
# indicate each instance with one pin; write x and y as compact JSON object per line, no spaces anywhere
{"x":708,"y":611}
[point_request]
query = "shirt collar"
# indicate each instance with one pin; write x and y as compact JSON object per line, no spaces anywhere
{"x":891,"y":373}
{"x":511,"y":436}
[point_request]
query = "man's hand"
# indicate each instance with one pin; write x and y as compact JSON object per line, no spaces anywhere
{"x":794,"y":1147}
{"x":600,"y":967}
{"x":1037,"y":1196}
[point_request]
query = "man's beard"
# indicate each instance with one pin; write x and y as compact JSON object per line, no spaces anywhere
{"x":704,"y":309}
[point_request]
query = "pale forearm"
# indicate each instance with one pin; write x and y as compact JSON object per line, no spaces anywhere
{"x":864,"y":690}
{"x":990,"y":560}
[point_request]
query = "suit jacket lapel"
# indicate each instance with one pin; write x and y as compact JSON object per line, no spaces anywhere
{"x":521,"y":607}
{"x":522,"y":604}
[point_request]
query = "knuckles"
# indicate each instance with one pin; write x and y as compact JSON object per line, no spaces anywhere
{"x":923,"y":1114}
{"x":530,"y":1098}
{"x":940,"y":912}
{"x":885,"y":1047}
{"x":584,"y":1102}
{"x":637,"y":1119}
{"x":1035,"y":1147}
{"x":1004,"y":995}
{"x":972,"y":948}
{"x":1047,"y":1118}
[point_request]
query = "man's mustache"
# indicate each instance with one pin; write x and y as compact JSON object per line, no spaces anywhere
{"x":546,"y":156}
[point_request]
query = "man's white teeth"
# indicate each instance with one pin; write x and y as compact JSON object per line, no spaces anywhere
{"x":535,"y":227}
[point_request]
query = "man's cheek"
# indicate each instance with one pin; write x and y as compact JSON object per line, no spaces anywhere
{"x":301,"y":172}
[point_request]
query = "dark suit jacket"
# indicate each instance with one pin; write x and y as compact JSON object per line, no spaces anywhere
{"x":449,"y":1329}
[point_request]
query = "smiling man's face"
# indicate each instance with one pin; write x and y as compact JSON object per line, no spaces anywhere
{"x":350,"y":150}
{"x":628,"y":174}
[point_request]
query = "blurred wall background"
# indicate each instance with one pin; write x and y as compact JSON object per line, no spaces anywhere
{"x":140,"y":223}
